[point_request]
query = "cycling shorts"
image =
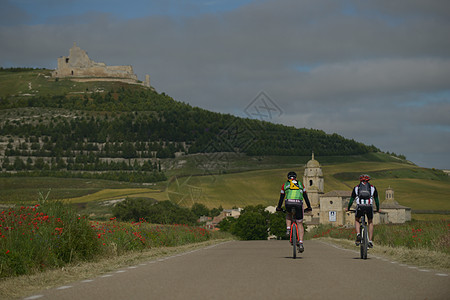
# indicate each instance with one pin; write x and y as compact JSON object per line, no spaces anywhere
{"x":364,"y":210}
{"x":298,"y":205}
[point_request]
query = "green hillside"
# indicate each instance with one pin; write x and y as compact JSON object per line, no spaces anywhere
{"x":418,"y":188}
{"x":84,"y":140}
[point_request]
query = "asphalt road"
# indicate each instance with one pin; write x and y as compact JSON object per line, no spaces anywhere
{"x":262,"y":270}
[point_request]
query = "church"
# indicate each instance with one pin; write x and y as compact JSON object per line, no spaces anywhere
{"x":329,"y":208}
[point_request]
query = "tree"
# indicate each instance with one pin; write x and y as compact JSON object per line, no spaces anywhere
{"x":199,"y":209}
{"x":277,"y":224}
{"x":227,"y":223}
{"x":133,"y":209}
{"x":250,"y":226}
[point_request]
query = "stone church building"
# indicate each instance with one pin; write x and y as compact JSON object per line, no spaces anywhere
{"x":79,"y":67}
{"x":329,"y":208}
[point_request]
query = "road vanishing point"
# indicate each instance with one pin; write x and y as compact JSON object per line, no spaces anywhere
{"x":261,"y":270}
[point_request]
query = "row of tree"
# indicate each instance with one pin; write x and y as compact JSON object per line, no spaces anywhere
{"x":254,"y":223}
{"x":125,"y":150}
{"x":80,"y":163}
{"x":148,"y":116}
{"x":164,"y":212}
{"x":135,"y":176}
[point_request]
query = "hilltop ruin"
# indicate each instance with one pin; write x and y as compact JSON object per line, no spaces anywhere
{"x":79,"y":67}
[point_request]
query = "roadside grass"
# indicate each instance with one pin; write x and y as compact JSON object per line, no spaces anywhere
{"x":51,"y":235}
{"x":422,"y":258}
{"x":424,"y":241}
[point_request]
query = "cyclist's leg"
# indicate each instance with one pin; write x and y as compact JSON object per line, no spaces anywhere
{"x":370,"y":222}
{"x":288,"y":219}
{"x":358,"y":224}
{"x":301,"y":229}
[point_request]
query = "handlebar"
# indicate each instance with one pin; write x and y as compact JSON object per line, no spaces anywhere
{"x":306,"y":210}
{"x":354,"y":211}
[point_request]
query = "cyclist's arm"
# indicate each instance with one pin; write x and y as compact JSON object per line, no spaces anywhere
{"x":280,"y":202}
{"x":350,"y":203}
{"x":352,"y":198}
{"x":305,"y":196}
{"x":377,"y":201}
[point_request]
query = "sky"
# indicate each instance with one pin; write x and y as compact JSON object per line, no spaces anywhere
{"x":377,"y":72}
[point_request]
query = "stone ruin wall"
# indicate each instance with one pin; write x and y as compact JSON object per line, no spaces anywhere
{"x":79,"y":65}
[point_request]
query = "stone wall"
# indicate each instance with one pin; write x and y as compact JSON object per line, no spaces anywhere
{"x":78,"y":64}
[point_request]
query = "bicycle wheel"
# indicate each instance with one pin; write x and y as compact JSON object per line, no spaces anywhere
{"x":365,"y":243}
{"x":294,"y":239}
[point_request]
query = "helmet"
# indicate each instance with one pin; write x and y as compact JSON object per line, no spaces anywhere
{"x":292,"y":175}
{"x":364,"y":177}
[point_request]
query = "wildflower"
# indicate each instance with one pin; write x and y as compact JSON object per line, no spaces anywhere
{"x":7,"y":251}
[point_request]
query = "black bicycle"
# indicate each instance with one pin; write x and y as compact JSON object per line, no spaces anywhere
{"x":364,"y":243}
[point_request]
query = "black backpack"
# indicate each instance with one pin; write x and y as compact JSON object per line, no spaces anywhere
{"x":364,"y":191}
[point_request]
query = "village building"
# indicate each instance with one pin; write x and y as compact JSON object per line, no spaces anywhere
{"x":329,"y":208}
{"x":234,"y":213}
{"x":79,"y":67}
{"x":397,"y":213}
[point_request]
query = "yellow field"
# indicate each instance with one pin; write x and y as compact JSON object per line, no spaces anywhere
{"x":114,"y":194}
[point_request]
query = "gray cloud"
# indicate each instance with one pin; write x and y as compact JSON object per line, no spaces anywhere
{"x":374,"y":71}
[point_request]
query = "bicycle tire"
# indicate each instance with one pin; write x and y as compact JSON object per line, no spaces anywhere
{"x":294,"y":234}
{"x":366,"y":242}
{"x":294,"y":239}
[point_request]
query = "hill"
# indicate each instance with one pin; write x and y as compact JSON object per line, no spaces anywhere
{"x":60,"y":125}
{"x":81,"y":138}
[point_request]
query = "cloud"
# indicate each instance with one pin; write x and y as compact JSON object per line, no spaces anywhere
{"x":374,"y":71}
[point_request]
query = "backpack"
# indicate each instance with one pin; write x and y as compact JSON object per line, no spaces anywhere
{"x":293,"y":184}
{"x":364,"y":191}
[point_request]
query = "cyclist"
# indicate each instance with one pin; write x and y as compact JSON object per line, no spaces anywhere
{"x":293,"y":192}
{"x":364,"y":194}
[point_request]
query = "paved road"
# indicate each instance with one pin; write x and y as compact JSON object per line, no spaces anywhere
{"x":262,"y":270}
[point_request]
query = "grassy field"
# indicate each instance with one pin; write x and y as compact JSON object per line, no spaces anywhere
{"x":256,"y":182}
{"x":39,"y":82}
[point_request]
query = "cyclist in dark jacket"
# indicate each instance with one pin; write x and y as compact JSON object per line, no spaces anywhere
{"x":293,"y":192}
{"x":365,"y":195}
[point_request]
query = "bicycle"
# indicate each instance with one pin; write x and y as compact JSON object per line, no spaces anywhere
{"x":364,"y":243}
{"x":293,"y":235}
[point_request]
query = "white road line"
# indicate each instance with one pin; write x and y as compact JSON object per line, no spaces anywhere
{"x":34,"y":297}
{"x":64,"y":287}
{"x":107,"y":275}
{"x":87,"y":280}
{"x":121,"y":271}
{"x":386,"y":260}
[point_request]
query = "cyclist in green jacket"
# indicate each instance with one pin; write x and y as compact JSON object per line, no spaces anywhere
{"x":293,"y":192}
{"x":365,"y":195}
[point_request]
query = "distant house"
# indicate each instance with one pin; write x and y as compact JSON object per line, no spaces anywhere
{"x":396,"y":212}
{"x":212,"y":224}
